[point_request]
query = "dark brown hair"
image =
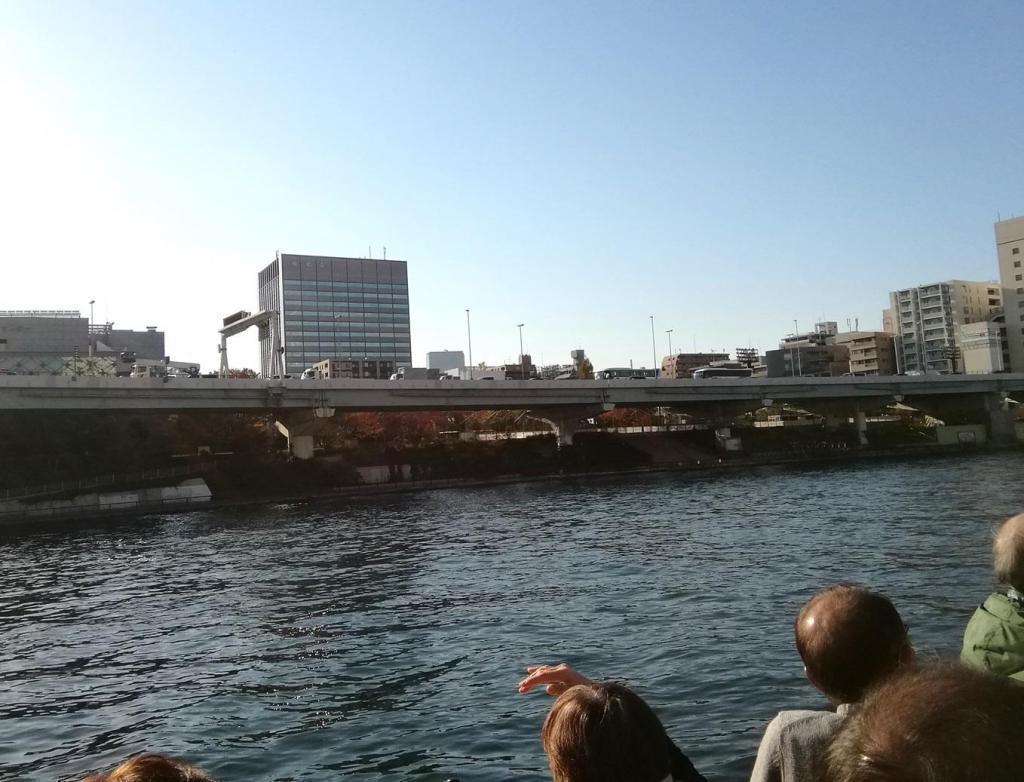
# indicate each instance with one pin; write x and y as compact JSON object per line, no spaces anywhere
{"x":153,"y":767}
{"x":856,"y":639}
{"x":604,"y":732}
{"x":940,"y":723}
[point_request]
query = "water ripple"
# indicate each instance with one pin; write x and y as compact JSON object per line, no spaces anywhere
{"x":383,"y":639}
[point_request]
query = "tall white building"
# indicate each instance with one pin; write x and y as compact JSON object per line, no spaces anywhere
{"x":1010,"y":250}
{"x":928,"y":321}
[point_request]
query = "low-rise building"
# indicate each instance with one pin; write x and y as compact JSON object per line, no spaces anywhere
{"x":62,"y":342}
{"x":823,"y":334}
{"x":354,"y":368}
{"x":871,"y":352}
{"x":446,"y":360}
{"x":524,"y":370}
{"x":984,"y":347}
{"x":482,"y":372}
{"x":808,"y":361}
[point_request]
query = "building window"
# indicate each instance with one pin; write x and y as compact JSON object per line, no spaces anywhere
{"x":1015,"y":251}
{"x":1018,"y":278}
{"x":1016,"y":264}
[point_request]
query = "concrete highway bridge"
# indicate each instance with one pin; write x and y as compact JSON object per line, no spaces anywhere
{"x":300,"y":405}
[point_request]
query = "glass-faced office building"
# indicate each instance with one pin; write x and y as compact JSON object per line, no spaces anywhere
{"x":350,"y":308}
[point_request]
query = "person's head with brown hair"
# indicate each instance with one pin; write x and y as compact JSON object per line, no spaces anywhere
{"x":849,"y":638}
{"x":153,"y":767}
{"x":938,"y":723}
{"x":604,"y":732}
{"x":1008,"y":552}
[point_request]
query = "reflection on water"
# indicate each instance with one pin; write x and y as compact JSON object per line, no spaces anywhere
{"x":385,"y":638}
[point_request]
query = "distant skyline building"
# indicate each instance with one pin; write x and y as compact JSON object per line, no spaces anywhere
{"x":1010,"y":252}
{"x":928,"y":321}
{"x":446,"y":360}
{"x":346,"y":308}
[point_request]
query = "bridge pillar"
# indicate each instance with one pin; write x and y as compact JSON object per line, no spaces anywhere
{"x":300,"y":428}
{"x":1000,"y":419}
{"x":565,"y":421}
{"x":860,"y":421}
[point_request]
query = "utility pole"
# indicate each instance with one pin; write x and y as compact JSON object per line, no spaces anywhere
{"x":654,"y":348}
{"x":469,"y":339}
{"x":522,"y":356}
{"x":669,"y":332}
{"x":91,"y":302}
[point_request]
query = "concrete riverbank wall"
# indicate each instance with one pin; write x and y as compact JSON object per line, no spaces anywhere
{"x":192,"y":491}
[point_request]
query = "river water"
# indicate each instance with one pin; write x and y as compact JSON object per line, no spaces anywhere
{"x":384,"y":638}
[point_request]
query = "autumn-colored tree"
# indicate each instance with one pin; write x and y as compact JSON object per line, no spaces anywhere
{"x":627,"y":416}
{"x":586,"y":370}
{"x":241,"y":374}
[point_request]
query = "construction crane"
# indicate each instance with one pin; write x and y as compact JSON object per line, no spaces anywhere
{"x":242,"y":320}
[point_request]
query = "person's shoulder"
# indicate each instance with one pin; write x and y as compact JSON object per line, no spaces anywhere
{"x":996,"y":611}
{"x":795,"y":721}
{"x":1000,"y":605}
{"x":804,"y":722}
{"x":791,"y":717}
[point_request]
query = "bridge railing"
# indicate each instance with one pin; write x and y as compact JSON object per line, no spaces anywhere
{"x":103,"y":480}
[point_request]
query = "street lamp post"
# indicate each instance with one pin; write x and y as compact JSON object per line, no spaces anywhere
{"x":522,"y":356}
{"x":91,"y":302}
{"x":669,"y":332}
{"x":654,"y":348}
{"x":469,"y":340}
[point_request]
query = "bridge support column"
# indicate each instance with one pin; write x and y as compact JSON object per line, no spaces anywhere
{"x":1000,"y":419}
{"x":860,"y":421}
{"x":300,"y":428}
{"x":566,"y":421}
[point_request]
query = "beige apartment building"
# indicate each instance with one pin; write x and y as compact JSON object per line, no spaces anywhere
{"x":1010,"y":251}
{"x":871,"y":352}
{"x":929,"y":318}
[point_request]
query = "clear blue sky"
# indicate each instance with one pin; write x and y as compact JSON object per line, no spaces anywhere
{"x":726,"y":167}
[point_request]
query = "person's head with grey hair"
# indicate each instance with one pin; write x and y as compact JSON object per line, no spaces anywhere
{"x":937,"y":723}
{"x":1008,"y":552}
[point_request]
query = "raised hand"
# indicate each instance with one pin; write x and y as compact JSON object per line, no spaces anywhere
{"x":555,"y":678}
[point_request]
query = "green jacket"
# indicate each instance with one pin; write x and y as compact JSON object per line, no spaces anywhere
{"x":994,"y":639}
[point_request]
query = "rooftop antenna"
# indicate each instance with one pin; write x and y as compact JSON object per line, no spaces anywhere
{"x":856,"y":324}
{"x":385,"y":252}
{"x":848,"y":324}
{"x":369,"y":251}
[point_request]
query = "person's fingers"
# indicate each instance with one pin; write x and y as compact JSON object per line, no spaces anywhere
{"x":543,"y":666}
{"x":556,"y":688}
